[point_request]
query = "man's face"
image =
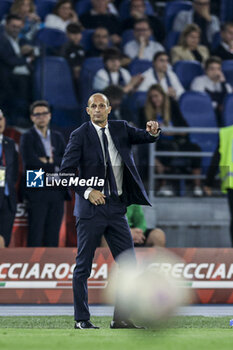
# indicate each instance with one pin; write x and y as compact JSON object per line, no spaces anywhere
{"x":214,"y":71}
{"x":75,"y":38}
{"x":13,"y":27}
{"x":101,"y":39}
{"x":113,"y":64}
{"x":98,"y":110}
{"x":137,"y":8}
{"x":142,"y":30}
{"x":65,"y":11}
{"x":2,"y":123}
{"x":227,"y":35}
{"x":161,"y":64}
{"x":40,"y":116}
{"x":200,"y":5}
{"x":100,"y":6}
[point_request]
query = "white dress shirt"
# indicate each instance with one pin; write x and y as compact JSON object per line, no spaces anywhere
{"x":115,"y":157}
{"x":101,"y":79}
{"x":131,"y":49}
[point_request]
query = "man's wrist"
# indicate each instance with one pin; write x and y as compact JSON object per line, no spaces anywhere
{"x":87,"y":192}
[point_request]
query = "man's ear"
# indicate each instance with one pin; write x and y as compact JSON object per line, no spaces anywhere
{"x":87,"y":110}
{"x":109,"y":109}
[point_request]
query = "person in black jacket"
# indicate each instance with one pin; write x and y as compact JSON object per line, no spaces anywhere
{"x":8,"y":179}
{"x":164,"y":109}
{"x":43,"y":148}
{"x":225,"y":47}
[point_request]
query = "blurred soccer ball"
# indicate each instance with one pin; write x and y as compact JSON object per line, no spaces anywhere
{"x":145,"y":291}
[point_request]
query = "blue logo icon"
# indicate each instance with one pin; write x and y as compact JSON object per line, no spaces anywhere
{"x":35,"y":178}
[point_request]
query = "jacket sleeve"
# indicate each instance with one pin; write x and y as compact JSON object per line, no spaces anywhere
{"x":137,"y":136}
{"x":30,"y":159}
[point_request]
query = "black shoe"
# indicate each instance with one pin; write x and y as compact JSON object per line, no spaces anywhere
{"x":124,"y":324}
{"x":84,"y":325}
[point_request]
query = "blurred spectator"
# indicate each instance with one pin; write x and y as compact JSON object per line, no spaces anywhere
{"x":163,"y":75}
{"x":26,"y":10}
{"x":164,"y":109}
{"x":225,"y":48}
{"x":137,"y":11}
{"x":189,"y":47}
{"x":15,"y":93}
{"x":142,"y":46}
{"x":99,"y":16}
{"x":200,"y":15}
{"x":113,"y":74}
{"x":214,"y":83}
{"x":8,"y":179}
{"x":43,"y":148}
{"x":72,"y":50}
{"x":119,"y":111}
{"x":100,"y":42}
{"x":63,"y":14}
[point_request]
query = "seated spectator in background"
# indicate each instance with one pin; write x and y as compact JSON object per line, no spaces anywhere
{"x":214,"y":84}
{"x":63,"y":14}
{"x":142,"y":46}
{"x":189,"y":47}
{"x":200,"y":15}
{"x":100,"y":42}
{"x":225,"y":48}
{"x":15,"y":71}
{"x":100,"y":16}
{"x":163,"y":75}
{"x":8,"y":178}
{"x":142,"y":236}
{"x":113,"y":74}
{"x":72,"y":50}
{"x":137,"y":11}
{"x":119,"y":111}
{"x":165,"y":110}
{"x":26,"y":10}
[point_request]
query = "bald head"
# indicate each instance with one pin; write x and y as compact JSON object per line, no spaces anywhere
{"x":90,"y":100}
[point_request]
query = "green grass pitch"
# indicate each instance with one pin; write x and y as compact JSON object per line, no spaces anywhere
{"x":57,"y":333}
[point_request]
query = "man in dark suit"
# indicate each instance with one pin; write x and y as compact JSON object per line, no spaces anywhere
{"x":8,"y":179}
{"x":43,"y":148}
{"x":102,"y":149}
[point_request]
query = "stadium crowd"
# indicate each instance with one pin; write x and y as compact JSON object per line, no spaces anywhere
{"x":150,"y":58}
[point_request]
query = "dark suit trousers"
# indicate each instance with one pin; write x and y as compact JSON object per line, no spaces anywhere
{"x":45,"y":213}
{"x":110,"y":220}
{"x":6,"y":220}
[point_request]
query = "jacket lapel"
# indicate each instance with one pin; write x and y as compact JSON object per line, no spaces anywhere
{"x":39,"y":142}
{"x":95,"y":141}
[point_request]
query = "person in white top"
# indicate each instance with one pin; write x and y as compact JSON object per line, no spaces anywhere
{"x":214,"y":84}
{"x":113,"y":74}
{"x":63,"y":14}
{"x":142,"y":46}
{"x":162,"y":74}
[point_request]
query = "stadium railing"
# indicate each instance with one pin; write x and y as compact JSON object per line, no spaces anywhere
{"x":153,"y":153}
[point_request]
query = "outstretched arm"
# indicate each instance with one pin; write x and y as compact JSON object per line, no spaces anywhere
{"x":151,"y":134}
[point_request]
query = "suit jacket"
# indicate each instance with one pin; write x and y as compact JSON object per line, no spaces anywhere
{"x":84,"y":153}
{"x":12,"y":167}
{"x":32,"y":148}
{"x":179,"y":53}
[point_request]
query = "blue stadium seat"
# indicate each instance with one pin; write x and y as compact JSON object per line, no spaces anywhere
{"x":53,"y":82}
{"x":124,"y":9}
{"x":171,"y":10}
{"x":187,"y":71}
{"x":139,"y":66}
{"x":227,"y":67}
{"x":228,"y":110}
{"x":197,"y":110}
{"x":127,"y":35}
{"x":226,"y":10}
{"x":44,"y":7}
{"x":171,"y":40}
{"x":50,"y":37}
{"x":5,"y":7}
{"x":89,"y":68}
{"x":86,"y":41}
{"x":83,"y":6}
{"x":216,"y":41}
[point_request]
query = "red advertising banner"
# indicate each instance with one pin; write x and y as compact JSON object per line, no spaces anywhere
{"x":44,"y":275}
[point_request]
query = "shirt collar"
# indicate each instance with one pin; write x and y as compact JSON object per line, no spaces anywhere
{"x":98,"y":128}
{"x":1,"y":138}
{"x":40,"y":133}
